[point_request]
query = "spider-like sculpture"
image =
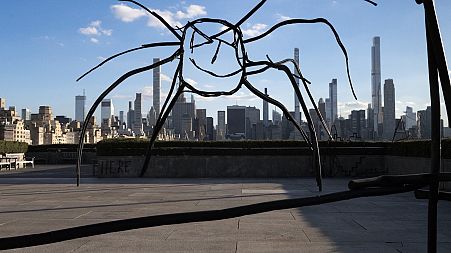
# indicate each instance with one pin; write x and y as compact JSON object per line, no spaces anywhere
{"x":186,"y":42}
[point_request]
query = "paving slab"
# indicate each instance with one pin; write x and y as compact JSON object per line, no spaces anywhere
{"x":34,"y":202}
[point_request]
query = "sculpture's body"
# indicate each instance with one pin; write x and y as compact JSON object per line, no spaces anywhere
{"x":188,"y":37}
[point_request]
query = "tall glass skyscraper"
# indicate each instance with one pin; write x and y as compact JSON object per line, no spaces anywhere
{"x":156,"y":88}
{"x":138,"y":125}
{"x":376,"y":97}
{"x":80,"y":104}
{"x":107,"y":109}
{"x":389,"y":109}
{"x":297,"y":112}
{"x":333,"y":100}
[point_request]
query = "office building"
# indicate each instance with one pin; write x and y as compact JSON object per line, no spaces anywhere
{"x":221,"y":128}
{"x":80,"y":105}
{"x":210,"y":129}
{"x":183,"y":111}
{"x":424,"y":123}
{"x":328,"y":115}
{"x":26,"y":114}
{"x":45,"y":113}
{"x":389,"y":121}
{"x":156,"y":88}
{"x":152,"y":117}
{"x":357,"y":123}
{"x":236,"y":121}
{"x":106,"y":117}
{"x":107,"y":109}
{"x":121,"y":117}
{"x":252,"y":119}
{"x":200,"y":126}
{"x":130,"y":115}
{"x":138,"y":125}
{"x":410,"y":118}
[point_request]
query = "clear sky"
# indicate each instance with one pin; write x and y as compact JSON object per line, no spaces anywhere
{"x":45,"y":45}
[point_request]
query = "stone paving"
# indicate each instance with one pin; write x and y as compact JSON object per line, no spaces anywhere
{"x":46,"y":198}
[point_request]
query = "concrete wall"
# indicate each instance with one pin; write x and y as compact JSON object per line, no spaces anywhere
{"x":263,"y":166}
{"x":61,"y":157}
{"x":206,"y":166}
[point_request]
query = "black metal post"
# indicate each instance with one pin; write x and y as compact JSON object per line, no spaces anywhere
{"x":435,"y":140}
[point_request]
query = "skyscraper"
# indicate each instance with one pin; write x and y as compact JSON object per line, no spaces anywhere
{"x":151,"y":117}
{"x":265,"y":110}
{"x":389,"y":109}
{"x":276,"y":117}
{"x":182,"y":112}
{"x":410,"y":117}
{"x":210,"y":129}
{"x":221,"y":129}
{"x":376,"y":97}
{"x":236,"y":121}
{"x":107,"y":110}
{"x":80,"y":105}
{"x":333,"y":100}
{"x":26,"y":114}
{"x":328,"y":116}
{"x":138,"y":125}
{"x":130,"y":115}
{"x":424,"y":123}
{"x":201,"y":123}
{"x":121,"y":117}
{"x":297,"y":112}
{"x":156,"y":88}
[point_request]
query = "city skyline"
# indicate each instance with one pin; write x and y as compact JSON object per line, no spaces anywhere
{"x":103,"y":29}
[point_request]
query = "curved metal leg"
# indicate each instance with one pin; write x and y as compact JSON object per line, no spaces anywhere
{"x":160,"y":122}
{"x":314,"y":141}
{"x":103,"y":95}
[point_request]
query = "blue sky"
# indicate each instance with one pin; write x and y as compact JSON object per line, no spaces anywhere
{"x":47,"y":44}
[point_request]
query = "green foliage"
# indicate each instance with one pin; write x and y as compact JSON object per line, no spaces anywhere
{"x":61,"y":148}
{"x":138,"y":147}
{"x":13,"y":147}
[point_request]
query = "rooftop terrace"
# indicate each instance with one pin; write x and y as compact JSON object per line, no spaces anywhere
{"x":46,"y":198}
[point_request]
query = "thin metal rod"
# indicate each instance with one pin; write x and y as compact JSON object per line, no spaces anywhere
{"x":313,"y":136}
{"x":159,"y":44}
{"x":439,"y":53}
{"x":311,"y":21}
{"x":157,"y":128}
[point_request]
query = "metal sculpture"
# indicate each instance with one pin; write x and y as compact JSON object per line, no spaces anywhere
{"x":378,"y":186}
{"x":186,"y":37}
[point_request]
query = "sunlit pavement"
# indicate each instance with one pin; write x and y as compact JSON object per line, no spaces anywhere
{"x":46,"y":198}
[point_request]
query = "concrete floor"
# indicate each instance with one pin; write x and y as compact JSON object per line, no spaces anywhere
{"x":46,"y":198}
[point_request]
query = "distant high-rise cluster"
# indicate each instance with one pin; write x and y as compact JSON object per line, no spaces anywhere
{"x":236,"y":122}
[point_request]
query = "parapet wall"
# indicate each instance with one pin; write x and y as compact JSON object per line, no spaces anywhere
{"x":261,"y":166}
